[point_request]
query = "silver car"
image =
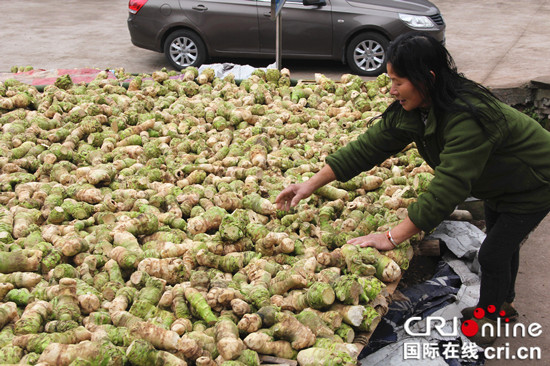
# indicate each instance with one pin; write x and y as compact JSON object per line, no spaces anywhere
{"x":357,"y":32}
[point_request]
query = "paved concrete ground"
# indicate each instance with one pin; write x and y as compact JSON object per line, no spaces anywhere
{"x":532,"y":299}
{"x":497,"y":43}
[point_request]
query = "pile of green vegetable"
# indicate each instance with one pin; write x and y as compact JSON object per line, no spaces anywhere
{"x":138,"y":225}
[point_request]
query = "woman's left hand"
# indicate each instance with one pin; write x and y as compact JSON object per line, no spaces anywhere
{"x":377,"y":240}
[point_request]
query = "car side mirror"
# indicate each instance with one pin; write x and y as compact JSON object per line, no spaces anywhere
{"x":314,"y":2}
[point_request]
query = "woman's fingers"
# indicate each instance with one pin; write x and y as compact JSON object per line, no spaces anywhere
{"x":290,"y":197}
{"x":285,"y":198}
{"x":362,"y":241}
{"x":378,"y":240}
{"x":288,"y":204}
{"x":296,"y":199}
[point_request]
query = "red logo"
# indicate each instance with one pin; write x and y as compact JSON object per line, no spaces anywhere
{"x":470,"y":327}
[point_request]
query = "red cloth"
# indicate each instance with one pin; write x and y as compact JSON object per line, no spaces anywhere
{"x":48,"y":77}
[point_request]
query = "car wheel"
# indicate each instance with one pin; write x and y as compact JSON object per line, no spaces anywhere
{"x":366,"y":54}
{"x":184,"y":48}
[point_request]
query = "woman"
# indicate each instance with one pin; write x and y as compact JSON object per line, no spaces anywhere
{"x":477,"y":146}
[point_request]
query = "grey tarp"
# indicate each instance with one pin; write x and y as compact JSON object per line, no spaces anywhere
{"x":454,"y":287}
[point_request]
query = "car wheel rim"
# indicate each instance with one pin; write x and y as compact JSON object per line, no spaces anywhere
{"x":183,"y":51}
{"x":369,"y":55}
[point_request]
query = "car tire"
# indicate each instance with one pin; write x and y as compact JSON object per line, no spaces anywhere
{"x":184,"y":48}
{"x":366,"y":54}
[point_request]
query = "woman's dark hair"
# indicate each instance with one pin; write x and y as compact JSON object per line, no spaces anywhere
{"x":415,"y":56}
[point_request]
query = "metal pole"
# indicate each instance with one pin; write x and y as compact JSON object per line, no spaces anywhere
{"x":278,"y":41}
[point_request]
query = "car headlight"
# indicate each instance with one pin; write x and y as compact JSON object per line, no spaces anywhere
{"x":417,"y":21}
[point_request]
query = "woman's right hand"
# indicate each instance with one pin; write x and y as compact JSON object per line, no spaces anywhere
{"x":291,"y":195}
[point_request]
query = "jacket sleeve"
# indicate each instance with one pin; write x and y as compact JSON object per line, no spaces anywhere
{"x":466,"y":151}
{"x":371,"y":148}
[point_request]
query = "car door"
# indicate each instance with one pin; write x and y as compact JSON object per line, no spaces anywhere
{"x":306,"y":30}
{"x":226,"y":26}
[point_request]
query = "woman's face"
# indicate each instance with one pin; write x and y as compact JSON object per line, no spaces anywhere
{"x":405,"y":92}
